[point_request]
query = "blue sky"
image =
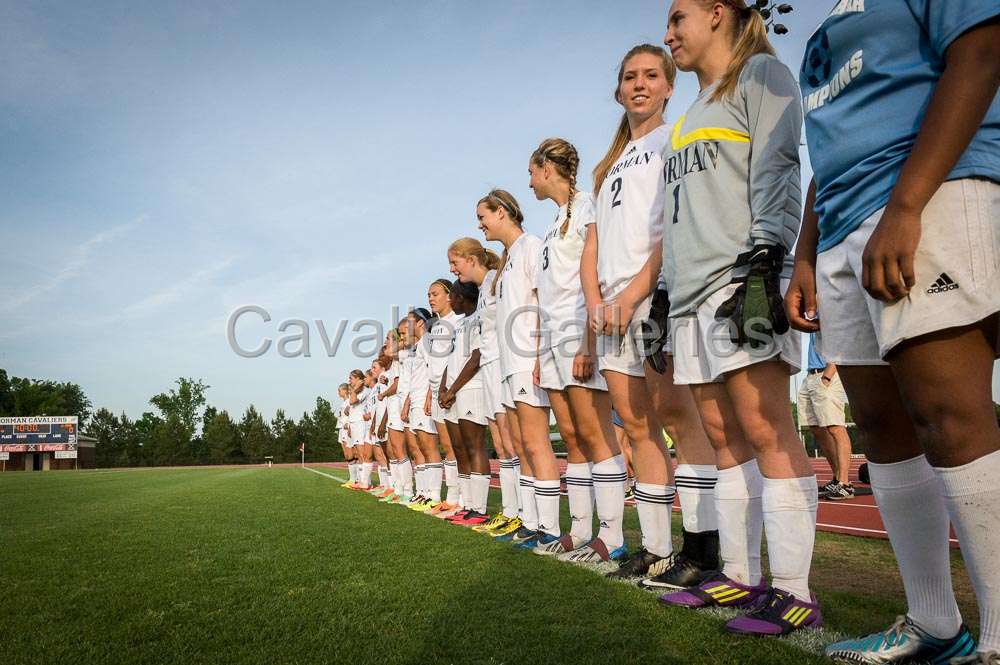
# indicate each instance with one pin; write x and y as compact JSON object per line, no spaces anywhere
{"x":166,"y":163}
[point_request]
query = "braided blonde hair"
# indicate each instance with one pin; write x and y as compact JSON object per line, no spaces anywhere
{"x":564,"y":158}
{"x":496,"y":199}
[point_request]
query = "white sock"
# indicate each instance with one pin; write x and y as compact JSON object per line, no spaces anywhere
{"x":479,"y":484}
{"x":973,"y":501}
{"x":463,"y":500}
{"x":529,"y":511}
{"x":547,"y":500}
{"x":352,"y":470}
{"x":366,"y":475}
{"x":406,"y":482}
{"x":421,"y":480}
{"x":435,"y":474}
{"x":696,"y":491}
{"x":741,"y":521}
{"x":451,"y":481}
{"x":580,"y":491}
{"x":909,"y":499}
{"x":789,"y":506}
{"x":509,"y":493}
{"x":654,"y":503}
{"x":609,"y":493}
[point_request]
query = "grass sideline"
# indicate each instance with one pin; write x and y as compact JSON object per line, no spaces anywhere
{"x":281,"y":565}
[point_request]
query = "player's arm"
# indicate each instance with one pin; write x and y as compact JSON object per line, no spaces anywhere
{"x":591,"y":286}
{"x":468,"y":371}
{"x":960,"y":101}
{"x":618,"y":314}
{"x":800,"y":298}
{"x":393,"y":387}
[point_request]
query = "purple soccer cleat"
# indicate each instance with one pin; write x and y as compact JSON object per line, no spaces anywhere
{"x":777,"y":613}
{"x":716,"y":591}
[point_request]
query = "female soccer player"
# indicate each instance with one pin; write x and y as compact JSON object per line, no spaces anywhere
{"x":565,"y":369}
{"x":399,"y":462}
{"x":465,"y":407}
{"x":415,"y":407}
{"x":471,"y":262}
{"x":344,"y":433}
{"x":440,"y":343}
{"x":897,"y":268}
{"x":731,"y":170}
{"x":357,"y":394}
{"x":622,"y":254}
{"x":500,"y":218}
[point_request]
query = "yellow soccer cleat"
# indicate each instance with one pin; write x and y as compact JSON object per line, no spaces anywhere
{"x":509,"y":526}
{"x":493,"y":522}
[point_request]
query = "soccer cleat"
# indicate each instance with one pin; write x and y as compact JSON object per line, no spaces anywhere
{"x":448,"y":514}
{"x":595,"y":552}
{"x":681,"y":573}
{"x":492,"y":523}
{"x":471,"y":518}
{"x":459,"y":514}
{"x":716,"y":591}
{"x":840,"y":492}
{"x":378,"y":489}
{"x":903,"y":642}
{"x":390,"y":498}
{"x":563,"y":545}
{"x":522,"y":533}
{"x":442,"y":507}
{"x":510,"y":526}
{"x":423,"y":506}
{"x":641,"y":564}
{"x":777,"y":612}
{"x":347,"y":485}
{"x":826,"y":488}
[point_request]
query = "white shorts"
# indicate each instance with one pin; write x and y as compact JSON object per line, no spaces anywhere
{"x":821,"y":405}
{"x":956,"y":270}
{"x":492,"y":388}
{"x":357,"y":434}
{"x":420,"y":422}
{"x":342,"y":436}
{"x":470,"y":404}
{"x":625,"y":354}
{"x":556,"y":371}
{"x":703,"y":351}
{"x":437,"y":413}
{"x":395,"y":421}
{"x":520,"y":387}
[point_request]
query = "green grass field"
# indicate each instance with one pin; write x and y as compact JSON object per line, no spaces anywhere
{"x":283,"y":566}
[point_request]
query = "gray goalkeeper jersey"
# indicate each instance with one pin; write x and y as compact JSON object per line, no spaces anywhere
{"x":731,"y":171}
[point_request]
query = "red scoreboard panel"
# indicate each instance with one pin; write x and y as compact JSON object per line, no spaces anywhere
{"x":38,"y":433}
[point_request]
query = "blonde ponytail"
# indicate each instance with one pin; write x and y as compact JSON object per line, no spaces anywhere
{"x":566,"y":161}
{"x":749,"y":39}
{"x":496,"y":199}
{"x":469,"y":248}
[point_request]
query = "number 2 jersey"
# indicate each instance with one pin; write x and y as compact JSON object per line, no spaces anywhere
{"x":630,"y":212}
{"x":731,"y":171}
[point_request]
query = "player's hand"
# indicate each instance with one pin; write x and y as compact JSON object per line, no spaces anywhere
{"x":800,"y":298}
{"x":536,"y":373}
{"x":427,"y":405}
{"x":887,"y":263}
{"x":583,"y":365}
{"x":367,"y":416}
{"x":381,"y":396}
{"x":381,"y":432}
{"x":404,"y":415}
{"x":448,"y":399}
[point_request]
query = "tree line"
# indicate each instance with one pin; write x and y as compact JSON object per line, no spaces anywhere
{"x":183,"y":429}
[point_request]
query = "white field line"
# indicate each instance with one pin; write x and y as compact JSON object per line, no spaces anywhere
{"x":328,"y":475}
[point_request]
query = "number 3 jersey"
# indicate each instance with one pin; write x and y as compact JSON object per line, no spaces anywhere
{"x":560,"y":294}
{"x":629,"y":212}
{"x":731,"y":171}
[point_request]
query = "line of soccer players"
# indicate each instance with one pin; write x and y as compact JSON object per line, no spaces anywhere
{"x":668,"y":295}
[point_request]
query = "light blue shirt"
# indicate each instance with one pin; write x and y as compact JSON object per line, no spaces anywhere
{"x":867,"y":78}
{"x":815,"y":360}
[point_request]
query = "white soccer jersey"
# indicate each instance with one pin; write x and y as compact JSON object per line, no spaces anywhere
{"x":486,"y":313}
{"x":630,"y":212}
{"x":405,"y":374}
{"x":441,"y":341}
{"x":344,"y":417}
{"x":380,"y":404}
{"x":357,"y":414}
{"x":517,"y":306}
{"x":560,"y":294}
{"x":465,"y":341}
{"x":419,"y":373}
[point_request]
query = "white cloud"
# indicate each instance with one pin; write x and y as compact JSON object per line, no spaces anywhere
{"x":175,"y":292}
{"x":77,"y":261}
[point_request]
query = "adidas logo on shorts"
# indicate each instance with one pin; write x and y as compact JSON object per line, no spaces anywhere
{"x":522,"y":391}
{"x":942,"y":284}
{"x":468,"y":413}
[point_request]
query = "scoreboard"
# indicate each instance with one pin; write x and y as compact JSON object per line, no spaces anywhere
{"x":32,"y":434}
